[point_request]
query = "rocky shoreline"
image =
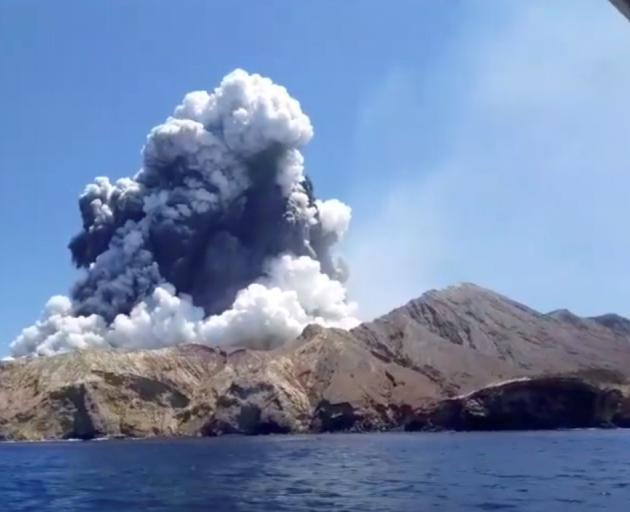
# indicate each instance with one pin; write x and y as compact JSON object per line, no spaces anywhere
{"x":528,"y":404}
{"x":460,"y":359}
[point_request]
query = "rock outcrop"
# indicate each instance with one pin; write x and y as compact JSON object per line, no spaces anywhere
{"x":528,"y":403}
{"x":437,"y":362}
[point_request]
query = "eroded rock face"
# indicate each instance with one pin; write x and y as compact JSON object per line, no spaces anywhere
{"x":102,"y":393}
{"x":524,"y":404}
{"x":434,"y":363}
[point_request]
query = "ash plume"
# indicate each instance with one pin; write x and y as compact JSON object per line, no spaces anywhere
{"x":217,"y":239}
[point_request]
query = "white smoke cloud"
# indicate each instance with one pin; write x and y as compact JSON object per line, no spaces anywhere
{"x":334,"y":216}
{"x":59,"y":331}
{"x":293,"y":294}
{"x":250,"y":111}
{"x":216,"y":240}
{"x":163,"y":319}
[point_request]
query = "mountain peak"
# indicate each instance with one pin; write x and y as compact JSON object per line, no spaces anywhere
{"x":613,"y":321}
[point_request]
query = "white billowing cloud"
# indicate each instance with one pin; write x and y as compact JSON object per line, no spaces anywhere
{"x":162,"y":320}
{"x":251,"y":111}
{"x":334,"y":216}
{"x":245,"y":114}
{"x":185,"y":138}
{"x":59,"y":331}
{"x":322,"y":298}
{"x":260,"y":317}
{"x":293,"y":294}
{"x":210,"y":174}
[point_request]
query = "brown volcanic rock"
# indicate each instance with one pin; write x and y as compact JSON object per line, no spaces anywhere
{"x":469,"y":337}
{"x":349,"y":387}
{"x":381,"y":375}
{"x":527,"y":403}
{"x":254,"y":393}
{"x":96,"y":393}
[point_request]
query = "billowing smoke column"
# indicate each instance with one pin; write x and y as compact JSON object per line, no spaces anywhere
{"x":218,"y":238}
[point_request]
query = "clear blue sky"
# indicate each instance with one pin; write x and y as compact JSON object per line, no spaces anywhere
{"x":481,"y":140}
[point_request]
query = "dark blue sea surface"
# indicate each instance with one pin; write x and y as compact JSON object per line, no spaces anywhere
{"x":528,"y":471}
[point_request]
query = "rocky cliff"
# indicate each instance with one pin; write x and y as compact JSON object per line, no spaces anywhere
{"x":460,"y":358}
{"x":527,"y":403}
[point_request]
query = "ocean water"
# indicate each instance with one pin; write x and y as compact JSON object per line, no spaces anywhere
{"x":526,"y":471}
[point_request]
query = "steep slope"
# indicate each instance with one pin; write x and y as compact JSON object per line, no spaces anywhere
{"x":403,"y":369}
{"x":470,"y":337}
